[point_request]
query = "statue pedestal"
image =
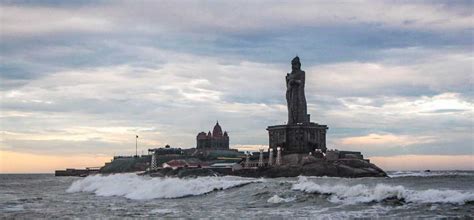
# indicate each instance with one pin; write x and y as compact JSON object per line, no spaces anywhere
{"x":298,"y":138}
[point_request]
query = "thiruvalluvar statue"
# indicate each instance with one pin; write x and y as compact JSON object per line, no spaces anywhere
{"x":295,"y":97}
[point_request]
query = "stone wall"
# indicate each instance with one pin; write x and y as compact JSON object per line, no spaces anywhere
{"x":298,"y":138}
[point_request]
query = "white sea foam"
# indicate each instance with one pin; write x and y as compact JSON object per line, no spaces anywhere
{"x":360,"y":193}
{"x":278,"y":199}
{"x":428,"y":174}
{"x":162,"y":211}
{"x":142,"y":188}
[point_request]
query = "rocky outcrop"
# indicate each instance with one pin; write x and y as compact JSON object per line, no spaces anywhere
{"x":350,"y":167}
{"x":343,"y":168}
{"x":185,"y":172}
{"x":125,"y":164}
{"x":293,"y":165}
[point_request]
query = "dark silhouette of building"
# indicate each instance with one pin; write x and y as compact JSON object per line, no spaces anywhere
{"x":215,"y":140}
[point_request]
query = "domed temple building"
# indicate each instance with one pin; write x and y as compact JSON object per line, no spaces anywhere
{"x":215,"y":140}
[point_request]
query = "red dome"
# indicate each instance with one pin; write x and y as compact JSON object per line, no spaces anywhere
{"x":217,"y":132}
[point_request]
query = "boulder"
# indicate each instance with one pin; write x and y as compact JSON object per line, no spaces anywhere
{"x":292,"y":159}
{"x":196,"y":172}
{"x":310,"y":159}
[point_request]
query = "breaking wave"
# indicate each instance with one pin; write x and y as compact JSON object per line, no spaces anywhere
{"x":360,"y":193}
{"x":142,"y":188}
{"x":278,"y":199}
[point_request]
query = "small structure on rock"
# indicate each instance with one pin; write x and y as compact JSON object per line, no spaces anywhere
{"x":260,"y":159}
{"x":278,"y":159}
{"x":270,"y":157}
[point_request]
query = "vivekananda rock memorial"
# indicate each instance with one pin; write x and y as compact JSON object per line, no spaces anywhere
{"x":295,"y":148}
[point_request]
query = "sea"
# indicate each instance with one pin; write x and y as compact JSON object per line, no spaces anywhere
{"x":414,"y":194}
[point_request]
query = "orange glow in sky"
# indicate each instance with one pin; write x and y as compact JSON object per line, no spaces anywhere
{"x":424,"y":162}
{"x":13,"y":162}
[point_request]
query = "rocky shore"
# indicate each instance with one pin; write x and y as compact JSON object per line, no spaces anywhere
{"x":292,"y":165}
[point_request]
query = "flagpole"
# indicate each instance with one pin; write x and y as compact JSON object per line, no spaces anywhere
{"x":136,"y":145}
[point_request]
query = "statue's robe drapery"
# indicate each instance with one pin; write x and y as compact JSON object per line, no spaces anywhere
{"x":297,"y":112}
{"x":299,"y":135}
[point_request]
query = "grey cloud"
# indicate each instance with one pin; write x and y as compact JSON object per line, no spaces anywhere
{"x":169,"y":78}
{"x":446,"y":111}
{"x":166,"y":16}
{"x":436,"y":71}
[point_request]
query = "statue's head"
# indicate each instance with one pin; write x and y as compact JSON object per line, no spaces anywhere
{"x":295,"y":63}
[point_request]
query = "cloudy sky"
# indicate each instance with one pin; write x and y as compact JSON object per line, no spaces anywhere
{"x":78,"y":79}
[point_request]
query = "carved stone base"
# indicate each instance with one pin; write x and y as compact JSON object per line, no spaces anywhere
{"x":298,"y":138}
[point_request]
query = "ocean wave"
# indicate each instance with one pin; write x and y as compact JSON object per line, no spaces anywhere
{"x":360,"y":193}
{"x":12,"y":208}
{"x":396,"y":174}
{"x":143,"y":188}
{"x":278,"y":199}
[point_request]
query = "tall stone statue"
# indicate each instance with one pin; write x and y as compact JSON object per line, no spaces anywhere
{"x":300,"y":135}
{"x":297,"y":112}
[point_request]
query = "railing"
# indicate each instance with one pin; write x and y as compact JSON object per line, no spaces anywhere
{"x":254,"y":164}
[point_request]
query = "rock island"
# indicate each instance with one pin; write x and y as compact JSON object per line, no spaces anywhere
{"x":295,"y":148}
